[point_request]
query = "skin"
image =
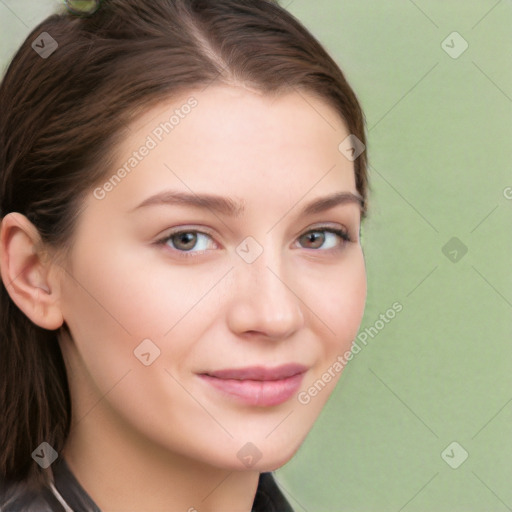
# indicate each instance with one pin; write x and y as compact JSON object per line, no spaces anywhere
{"x":157,"y":437}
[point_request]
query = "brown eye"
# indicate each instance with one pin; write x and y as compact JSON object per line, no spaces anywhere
{"x":184,"y":241}
{"x":316,"y":238}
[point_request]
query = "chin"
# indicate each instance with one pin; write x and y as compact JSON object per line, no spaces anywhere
{"x":277,"y":460}
{"x":267,"y":459}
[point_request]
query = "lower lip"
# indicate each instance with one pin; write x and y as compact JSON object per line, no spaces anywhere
{"x":262,"y":393}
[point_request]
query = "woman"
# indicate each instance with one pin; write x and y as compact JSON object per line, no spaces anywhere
{"x":183,"y":183}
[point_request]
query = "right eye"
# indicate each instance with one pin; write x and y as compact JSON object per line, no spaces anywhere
{"x":184,"y":240}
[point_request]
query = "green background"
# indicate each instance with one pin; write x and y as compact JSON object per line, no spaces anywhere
{"x":440,"y":152}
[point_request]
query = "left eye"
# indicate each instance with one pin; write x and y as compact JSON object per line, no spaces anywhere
{"x":186,"y":240}
{"x":335,"y":233}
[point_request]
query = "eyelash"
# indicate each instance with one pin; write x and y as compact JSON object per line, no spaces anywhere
{"x":345,"y":237}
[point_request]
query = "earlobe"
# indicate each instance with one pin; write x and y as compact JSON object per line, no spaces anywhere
{"x":26,"y":272}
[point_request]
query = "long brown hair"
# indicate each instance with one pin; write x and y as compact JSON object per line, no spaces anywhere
{"x":63,"y":114}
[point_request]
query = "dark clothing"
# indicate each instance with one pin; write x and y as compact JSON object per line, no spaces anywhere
{"x":17,"y":497}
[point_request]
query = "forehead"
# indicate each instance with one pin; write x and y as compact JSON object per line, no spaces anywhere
{"x":236,"y":141}
{"x":222,"y":104}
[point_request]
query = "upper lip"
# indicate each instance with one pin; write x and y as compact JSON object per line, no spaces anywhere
{"x":259,"y":372}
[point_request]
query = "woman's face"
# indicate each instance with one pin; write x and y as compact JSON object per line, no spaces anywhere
{"x":265,"y":284}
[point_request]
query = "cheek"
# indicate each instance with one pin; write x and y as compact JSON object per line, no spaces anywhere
{"x":107,"y":305}
{"x":120,"y":294}
{"x":339,"y":303}
{"x":116,"y":299}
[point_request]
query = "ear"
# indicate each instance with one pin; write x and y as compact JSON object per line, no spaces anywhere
{"x":27,"y":272}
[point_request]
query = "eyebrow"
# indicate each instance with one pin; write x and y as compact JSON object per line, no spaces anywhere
{"x":232,"y":208}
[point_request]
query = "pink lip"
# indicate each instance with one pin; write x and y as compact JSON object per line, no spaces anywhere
{"x":258,"y":385}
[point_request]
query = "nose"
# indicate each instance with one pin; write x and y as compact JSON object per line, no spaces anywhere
{"x":264,"y":301}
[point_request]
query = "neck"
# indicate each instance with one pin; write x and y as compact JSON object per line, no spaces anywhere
{"x":121,"y":470}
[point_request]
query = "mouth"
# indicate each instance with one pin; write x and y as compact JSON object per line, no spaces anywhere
{"x":257,"y":385}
